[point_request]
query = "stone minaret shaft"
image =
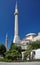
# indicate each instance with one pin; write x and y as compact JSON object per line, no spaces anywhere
{"x":6,"y":42}
{"x":16,"y":20}
{"x":16,"y":34}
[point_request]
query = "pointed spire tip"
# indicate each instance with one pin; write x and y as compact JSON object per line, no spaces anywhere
{"x":16,"y":5}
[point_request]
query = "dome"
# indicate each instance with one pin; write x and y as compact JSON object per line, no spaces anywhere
{"x":39,"y":33}
{"x":37,"y":38}
{"x":31,"y":34}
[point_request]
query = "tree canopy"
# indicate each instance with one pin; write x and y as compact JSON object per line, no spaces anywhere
{"x":2,"y":49}
{"x":15,"y":47}
{"x":32,"y":46}
{"x":14,"y":52}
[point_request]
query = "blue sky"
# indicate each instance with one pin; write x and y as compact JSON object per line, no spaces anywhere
{"x":29,"y":18}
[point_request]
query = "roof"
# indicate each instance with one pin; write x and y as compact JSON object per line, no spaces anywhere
{"x":30,"y":34}
{"x":36,"y":50}
{"x":36,"y":38}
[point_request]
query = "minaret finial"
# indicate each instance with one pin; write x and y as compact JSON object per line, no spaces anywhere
{"x":16,"y":5}
{"x":16,"y":9}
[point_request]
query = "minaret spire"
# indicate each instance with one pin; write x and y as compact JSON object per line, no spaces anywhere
{"x":16,"y":9}
{"x":16,"y":34}
{"x":16,"y":5}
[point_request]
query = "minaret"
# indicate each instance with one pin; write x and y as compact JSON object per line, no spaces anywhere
{"x":6,"y":42}
{"x":16,"y":34}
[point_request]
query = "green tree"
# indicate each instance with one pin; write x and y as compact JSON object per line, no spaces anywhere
{"x":34,"y":45}
{"x":13,"y":55}
{"x":14,"y":52}
{"x":2,"y":50}
{"x":15,"y":47}
{"x":31,"y":46}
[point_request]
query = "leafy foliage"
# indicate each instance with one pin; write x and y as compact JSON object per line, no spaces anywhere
{"x":31,"y":46}
{"x":2,"y":49}
{"x":14,"y":47}
{"x":34,"y":45}
{"x":14,"y":52}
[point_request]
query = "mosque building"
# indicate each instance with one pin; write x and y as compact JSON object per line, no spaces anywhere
{"x":28,"y":37}
{"x":31,"y":37}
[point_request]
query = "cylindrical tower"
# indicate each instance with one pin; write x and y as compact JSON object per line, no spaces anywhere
{"x":16,"y":20}
{"x":16,"y":34}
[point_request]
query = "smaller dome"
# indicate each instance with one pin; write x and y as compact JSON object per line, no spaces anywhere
{"x":31,"y":34}
{"x":39,"y":33}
